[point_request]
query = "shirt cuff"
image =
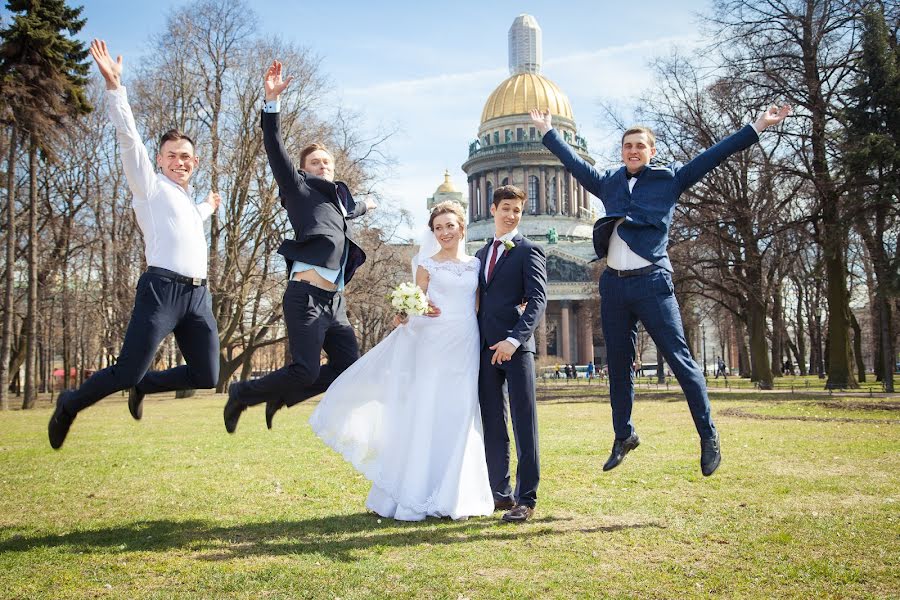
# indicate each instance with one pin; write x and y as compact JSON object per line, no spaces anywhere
{"x":753,"y":125}
{"x":514,"y":342}
{"x":205,"y":209}
{"x":272,"y":106}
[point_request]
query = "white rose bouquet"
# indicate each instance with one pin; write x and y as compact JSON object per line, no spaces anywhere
{"x":409,"y":299}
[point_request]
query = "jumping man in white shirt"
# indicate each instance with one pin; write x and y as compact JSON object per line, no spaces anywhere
{"x":171,"y":295}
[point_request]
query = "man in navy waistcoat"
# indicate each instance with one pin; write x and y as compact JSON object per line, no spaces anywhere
{"x":639,"y":200}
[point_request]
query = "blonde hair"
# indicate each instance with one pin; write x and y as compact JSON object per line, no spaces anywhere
{"x":445,"y":207}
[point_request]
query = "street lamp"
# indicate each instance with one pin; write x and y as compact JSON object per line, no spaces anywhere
{"x":703,"y":338}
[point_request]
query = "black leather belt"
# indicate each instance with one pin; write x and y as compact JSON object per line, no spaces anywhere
{"x":194,"y":281}
{"x":634,"y":272}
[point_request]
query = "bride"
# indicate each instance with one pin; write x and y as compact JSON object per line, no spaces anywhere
{"x":406,"y":414}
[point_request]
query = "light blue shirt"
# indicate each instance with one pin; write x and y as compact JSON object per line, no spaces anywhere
{"x":333,"y":275}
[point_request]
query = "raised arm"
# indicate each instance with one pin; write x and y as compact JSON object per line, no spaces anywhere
{"x":586,"y":175}
{"x":712,"y":157}
{"x":139,"y":169}
{"x":282,"y":168}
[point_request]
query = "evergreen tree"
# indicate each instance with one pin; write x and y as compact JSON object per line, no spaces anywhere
{"x":873,"y":164}
{"x":43,"y":72}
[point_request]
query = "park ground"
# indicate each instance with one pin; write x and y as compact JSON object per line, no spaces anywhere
{"x":806,"y":504}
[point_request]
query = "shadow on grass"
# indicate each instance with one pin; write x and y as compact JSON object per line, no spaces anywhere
{"x":334,"y":536}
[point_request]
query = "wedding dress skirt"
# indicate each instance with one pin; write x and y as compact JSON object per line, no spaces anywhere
{"x":406,"y":414}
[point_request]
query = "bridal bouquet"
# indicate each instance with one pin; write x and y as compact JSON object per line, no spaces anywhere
{"x":409,"y":299}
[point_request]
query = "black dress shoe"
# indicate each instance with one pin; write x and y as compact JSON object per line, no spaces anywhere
{"x":273,"y":405}
{"x":58,"y":428}
{"x":710,"y":455}
{"x":233,"y":409}
{"x":519,"y":514}
{"x":620,"y":449}
{"x":136,"y":403}
{"x":504,"y":504}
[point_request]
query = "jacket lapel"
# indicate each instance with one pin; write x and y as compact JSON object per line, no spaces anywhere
{"x":502,"y":260}
{"x":327,"y":189}
{"x":483,"y":258}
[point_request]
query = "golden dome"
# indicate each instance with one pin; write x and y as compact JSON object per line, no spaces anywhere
{"x":447,"y":186}
{"x":522,"y":92}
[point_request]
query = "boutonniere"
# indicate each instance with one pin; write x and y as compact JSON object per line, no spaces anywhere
{"x":508,"y":245}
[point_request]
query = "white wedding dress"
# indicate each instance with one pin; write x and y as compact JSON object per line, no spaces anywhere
{"x":406,"y":414}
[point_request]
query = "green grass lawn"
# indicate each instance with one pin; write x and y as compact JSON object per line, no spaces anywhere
{"x":173,"y":507}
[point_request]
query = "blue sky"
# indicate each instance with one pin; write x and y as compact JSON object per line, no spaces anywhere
{"x":427,"y":68}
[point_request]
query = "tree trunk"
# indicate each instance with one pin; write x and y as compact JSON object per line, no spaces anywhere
{"x":743,"y":352}
{"x":31,"y":307}
{"x":887,"y":343}
{"x":777,"y":327}
{"x":857,"y":348}
{"x":800,"y":352}
{"x":759,"y":353}
{"x":8,"y":298}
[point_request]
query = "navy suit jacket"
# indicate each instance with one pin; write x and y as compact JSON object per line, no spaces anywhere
{"x":649,"y":207}
{"x":313,"y":207}
{"x":519,"y":275}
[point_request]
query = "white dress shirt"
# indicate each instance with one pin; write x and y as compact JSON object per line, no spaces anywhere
{"x":620,"y":256}
{"x":172,"y":224}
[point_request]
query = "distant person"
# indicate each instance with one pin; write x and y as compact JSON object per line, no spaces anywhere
{"x":721,"y":369}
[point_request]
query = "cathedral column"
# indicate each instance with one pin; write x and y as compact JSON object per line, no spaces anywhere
{"x":585,"y":333}
{"x":564,"y":327}
{"x":573,"y":199}
{"x":542,"y":336}
{"x":471,"y":201}
{"x":542,"y":192}
{"x":482,"y":181}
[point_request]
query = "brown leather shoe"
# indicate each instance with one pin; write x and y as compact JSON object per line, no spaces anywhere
{"x":504,"y":504}
{"x":519,"y":514}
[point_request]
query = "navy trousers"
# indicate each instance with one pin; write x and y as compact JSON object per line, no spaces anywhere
{"x":161,"y":306}
{"x":649,"y":299}
{"x":518,"y":373}
{"x":316,"y":320}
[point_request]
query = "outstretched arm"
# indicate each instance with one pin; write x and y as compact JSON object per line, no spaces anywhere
{"x":577,"y":166}
{"x":282,"y":168}
{"x":139,"y":169}
{"x":712,"y":157}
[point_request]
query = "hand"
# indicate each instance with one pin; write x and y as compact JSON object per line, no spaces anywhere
{"x":773,"y":116}
{"x":273,"y":84}
{"x":521,"y":308}
{"x":433,"y":311}
{"x":542,"y":120}
{"x":400,"y":320}
{"x":370,"y":205}
{"x":503,"y":351}
{"x":109,"y":68}
{"x":214,"y":200}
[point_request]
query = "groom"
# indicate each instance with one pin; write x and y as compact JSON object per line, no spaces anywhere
{"x":513,"y":271}
{"x":640,"y":200}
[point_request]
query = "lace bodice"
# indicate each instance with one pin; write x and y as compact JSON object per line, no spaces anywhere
{"x":452,"y":285}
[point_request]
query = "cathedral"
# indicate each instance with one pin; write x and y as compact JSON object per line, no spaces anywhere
{"x":558,"y":213}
